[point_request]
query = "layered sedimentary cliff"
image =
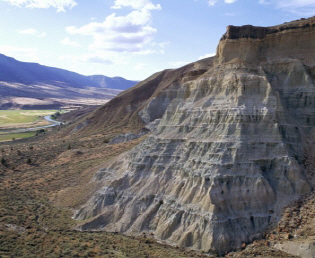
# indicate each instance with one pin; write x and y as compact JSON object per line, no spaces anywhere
{"x":226,"y":148}
{"x":291,"y":40}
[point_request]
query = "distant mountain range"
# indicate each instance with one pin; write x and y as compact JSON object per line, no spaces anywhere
{"x":117,"y":83}
{"x":32,"y":80}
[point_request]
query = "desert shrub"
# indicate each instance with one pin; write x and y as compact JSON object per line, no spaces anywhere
{"x":28,"y":161}
{"x":106,"y":140}
{"x":40,"y":131}
{"x":55,"y":116}
{"x":3,"y":161}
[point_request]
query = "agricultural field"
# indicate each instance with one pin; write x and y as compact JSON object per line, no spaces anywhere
{"x":14,"y":124}
{"x":20,"y":118}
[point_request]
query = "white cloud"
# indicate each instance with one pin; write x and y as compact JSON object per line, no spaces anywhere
{"x":28,"y":31}
{"x":296,"y":3}
{"x":60,"y":5}
{"x":136,"y":4}
{"x":213,"y":2}
{"x":300,"y":7}
{"x":132,"y":33}
{"x":32,"y":31}
{"x":68,"y":42}
{"x":21,"y":53}
{"x":88,"y":58}
{"x":206,"y":56}
{"x":98,"y":60}
{"x":140,"y":66}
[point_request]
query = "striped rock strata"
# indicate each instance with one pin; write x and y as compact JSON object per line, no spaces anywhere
{"x":226,"y":152}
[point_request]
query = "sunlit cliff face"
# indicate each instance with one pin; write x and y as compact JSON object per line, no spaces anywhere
{"x":226,"y":154}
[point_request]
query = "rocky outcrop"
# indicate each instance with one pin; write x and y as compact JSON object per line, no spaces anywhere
{"x":249,"y":31}
{"x":226,"y":155}
{"x":294,"y":40}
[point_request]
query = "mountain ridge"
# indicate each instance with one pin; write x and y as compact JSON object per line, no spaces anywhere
{"x":117,"y":82}
{"x":32,"y":80}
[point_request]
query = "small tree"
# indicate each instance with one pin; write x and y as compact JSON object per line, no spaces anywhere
{"x":69,"y":147}
{"x":29,"y":160}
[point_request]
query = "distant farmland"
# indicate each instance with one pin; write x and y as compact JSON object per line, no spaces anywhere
{"x":11,"y":120}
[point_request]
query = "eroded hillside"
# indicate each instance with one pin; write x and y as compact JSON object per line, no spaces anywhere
{"x":211,"y":156}
{"x":226,"y":152}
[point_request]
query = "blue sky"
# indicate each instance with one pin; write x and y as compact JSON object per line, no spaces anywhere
{"x":130,"y":38}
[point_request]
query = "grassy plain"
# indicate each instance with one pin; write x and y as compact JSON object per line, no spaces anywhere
{"x":14,"y":118}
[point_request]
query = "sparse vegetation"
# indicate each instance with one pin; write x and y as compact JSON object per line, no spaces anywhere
{"x":40,"y":131}
{"x":11,"y":136}
{"x":3,"y":161}
{"x":28,"y":160}
{"x":33,"y":226}
{"x":47,"y":230}
{"x":55,"y":116}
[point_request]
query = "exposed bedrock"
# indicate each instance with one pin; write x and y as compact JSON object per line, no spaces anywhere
{"x":222,"y":162}
{"x":294,"y":40}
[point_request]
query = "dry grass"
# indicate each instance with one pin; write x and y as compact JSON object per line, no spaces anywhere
{"x":10,"y":136}
{"x":33,"y":219}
